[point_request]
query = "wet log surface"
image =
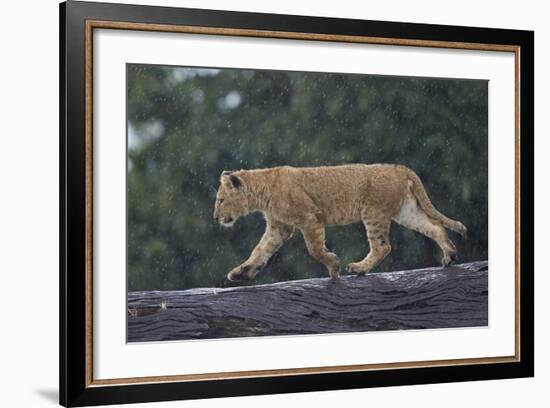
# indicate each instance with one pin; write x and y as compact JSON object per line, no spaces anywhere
{"x":455,"y":296}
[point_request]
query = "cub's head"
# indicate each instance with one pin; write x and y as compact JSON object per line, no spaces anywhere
{"x":231,"y":202}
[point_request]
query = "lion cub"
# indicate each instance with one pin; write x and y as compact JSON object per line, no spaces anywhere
{"x":310,"y":198}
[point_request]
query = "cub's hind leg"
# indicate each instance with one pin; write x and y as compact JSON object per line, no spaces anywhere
{"x":314,"y":236}
{"x":378,"y":234}
{"x":412,"y":216}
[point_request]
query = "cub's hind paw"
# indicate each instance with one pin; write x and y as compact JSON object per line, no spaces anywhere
{"x":449,"y":259}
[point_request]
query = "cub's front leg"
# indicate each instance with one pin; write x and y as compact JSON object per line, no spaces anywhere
{"x":274,"y":237}
{"x":314,"y":236}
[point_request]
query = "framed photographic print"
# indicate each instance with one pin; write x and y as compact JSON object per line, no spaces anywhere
{"x":255,"y":203}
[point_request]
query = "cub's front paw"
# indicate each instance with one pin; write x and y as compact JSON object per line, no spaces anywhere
{"x":240,"y":273}
{"x":334,"y":268}
{"x":356,"y":267}
{"x":334,"y":272}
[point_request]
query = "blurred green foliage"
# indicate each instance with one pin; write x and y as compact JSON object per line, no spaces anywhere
{"x":186,"y":125}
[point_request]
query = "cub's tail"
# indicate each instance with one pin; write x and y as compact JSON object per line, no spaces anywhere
{"x":415,"y":184}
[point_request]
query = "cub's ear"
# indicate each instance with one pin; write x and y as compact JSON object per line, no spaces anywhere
{"x":235,"y":181}
{"x":231,"y":179}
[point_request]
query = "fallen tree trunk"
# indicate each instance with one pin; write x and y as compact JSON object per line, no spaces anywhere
{"x":455,"y":296}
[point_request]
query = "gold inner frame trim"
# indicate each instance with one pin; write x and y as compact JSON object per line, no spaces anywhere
{"x":299,"y":371}
{"x":100,"y":24}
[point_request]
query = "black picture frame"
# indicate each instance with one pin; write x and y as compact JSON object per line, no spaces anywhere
{"x":75,"y":386}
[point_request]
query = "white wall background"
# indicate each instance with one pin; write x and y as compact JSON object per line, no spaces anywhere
{"x":29,"y":204}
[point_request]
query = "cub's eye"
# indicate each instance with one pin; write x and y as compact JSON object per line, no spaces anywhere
{"x":220,"y":200}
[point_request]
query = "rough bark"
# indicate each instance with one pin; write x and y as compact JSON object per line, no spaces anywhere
{"x":455,"y":296}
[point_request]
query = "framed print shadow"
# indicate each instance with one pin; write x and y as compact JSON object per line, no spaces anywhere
{"x":256,"y":203}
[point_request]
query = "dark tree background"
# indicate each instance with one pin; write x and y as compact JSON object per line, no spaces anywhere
{"x":187,"y":125}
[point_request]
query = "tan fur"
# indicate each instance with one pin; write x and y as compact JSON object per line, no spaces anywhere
{"x":311,"y":198}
